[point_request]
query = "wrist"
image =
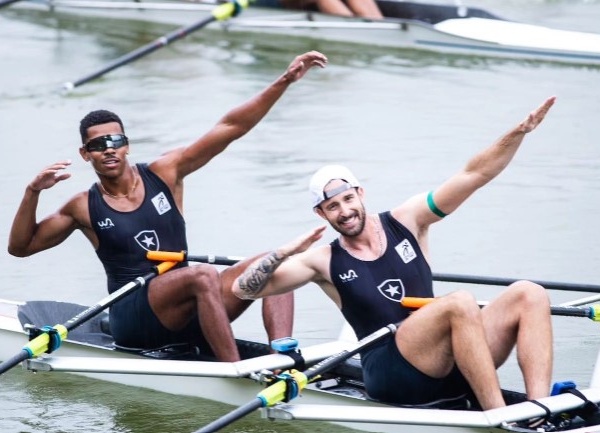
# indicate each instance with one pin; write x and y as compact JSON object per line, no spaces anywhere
{"x":32,"y":190}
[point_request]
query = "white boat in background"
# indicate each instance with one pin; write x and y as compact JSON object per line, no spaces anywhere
{"x":407,"y":25}
{"x":336,"y":396}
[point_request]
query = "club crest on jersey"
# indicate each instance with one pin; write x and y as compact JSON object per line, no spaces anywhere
{"x":348,"y":276}
{"x":406,"y":251}
{"x":148,"y":240}
{"x":106,"y":224}
{"x":161,"y":204}
{"x":392,"y":289}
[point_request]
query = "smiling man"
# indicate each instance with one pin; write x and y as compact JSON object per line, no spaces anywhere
{"x":446,"y":347}
{"x":133,"y":209}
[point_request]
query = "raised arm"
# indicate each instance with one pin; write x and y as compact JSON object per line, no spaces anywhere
{"x":285,"y":269}
{"x":27,"y":236}
{"x":425,"y":209}
{"x":234,"y":124}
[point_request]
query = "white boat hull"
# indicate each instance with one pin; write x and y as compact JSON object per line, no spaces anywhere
{"x":462,"y":36}
{"x":232,"y":383}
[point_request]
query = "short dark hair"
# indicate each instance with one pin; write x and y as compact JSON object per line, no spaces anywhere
{"x":97,"y":117}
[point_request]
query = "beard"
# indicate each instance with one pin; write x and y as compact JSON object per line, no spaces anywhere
{"x":362,"y":218}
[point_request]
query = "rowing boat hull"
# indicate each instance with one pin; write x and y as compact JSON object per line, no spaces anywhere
{"x":477,"y":35}
{"x":230,"y":383}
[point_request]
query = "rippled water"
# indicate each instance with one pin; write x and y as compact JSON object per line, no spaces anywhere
{"x":403,"y":121}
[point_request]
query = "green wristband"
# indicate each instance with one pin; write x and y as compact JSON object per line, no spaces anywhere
{"x":433,"y":207}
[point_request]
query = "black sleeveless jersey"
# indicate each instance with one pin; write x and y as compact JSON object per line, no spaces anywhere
{"x":371,"y":291}
{"x":126,"y":237}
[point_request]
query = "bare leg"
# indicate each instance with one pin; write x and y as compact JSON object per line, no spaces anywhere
{"x":177,"y":295}
{"x":278,"y":315}
{"x":365,"y":8}
{"x":334,"y":7}
{"x":277,"y":311}
{"x":521,"y":316}
{"x":453,"y":329}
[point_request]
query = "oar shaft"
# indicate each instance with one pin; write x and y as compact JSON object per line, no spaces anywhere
{"x":41,"y":343}
{"x":276,"y":392}
{"x":231,"y":417}
{"x":140,"y":52}
{"x":7,"y":2}
{"x":591,"y":312}
{"x":450,"y":278}
{"x":494,"y":281}
{"x":117,"y":295}
{"x":328,"y":363}
{"x":221,"y":12}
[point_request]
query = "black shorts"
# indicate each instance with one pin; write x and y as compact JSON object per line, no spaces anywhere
{"x":392,"y":379}
{"x":133,"y":324}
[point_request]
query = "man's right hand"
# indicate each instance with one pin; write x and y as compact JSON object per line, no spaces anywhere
{"x":302,"y":243}
{"x":302,"y":63}
{"x":50,"y":176}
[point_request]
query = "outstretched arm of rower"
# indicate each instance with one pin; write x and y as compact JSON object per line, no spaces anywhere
{"x":281,"y":271}
{"x":236,"y":122}
{"x":481,"y":169}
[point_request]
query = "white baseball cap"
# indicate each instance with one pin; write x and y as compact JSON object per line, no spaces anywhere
{"x":326,"y":174}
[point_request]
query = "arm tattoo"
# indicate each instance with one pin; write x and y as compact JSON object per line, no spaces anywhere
{"x":254,"y":279}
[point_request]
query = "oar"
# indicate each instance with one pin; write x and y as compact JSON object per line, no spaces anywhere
{"x":591,"y":312}
{"x":297,"y":380}
{"x":182,"y":256}
{"x":7,"y":2}
{"x":494,"y":281}
{"x":453,"y":278}
{"x":219,"y":13}
{"x":50,"y":337}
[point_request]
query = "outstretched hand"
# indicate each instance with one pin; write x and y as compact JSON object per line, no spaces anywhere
{"x":303,"y":242}
{"x":50,"y":176}
{"x":302,"y":63}
{"x":536,"y":116}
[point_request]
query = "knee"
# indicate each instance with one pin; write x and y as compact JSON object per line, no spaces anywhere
{"x":205,"y":278}
{"x":529,"y":294}
{"x":462,"y":304}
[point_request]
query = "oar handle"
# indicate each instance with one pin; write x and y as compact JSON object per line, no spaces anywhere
{"x":592,"y":312}
{"x":170,"y":256}
{"x":182,"y":256}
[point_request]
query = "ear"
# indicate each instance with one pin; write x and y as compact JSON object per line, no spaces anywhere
{"x":84,"y":154}
{"x":361,"y":193}
{"x":319,"y":212}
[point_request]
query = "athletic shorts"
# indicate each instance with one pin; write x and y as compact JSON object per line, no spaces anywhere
{"x":392,"y":379}
{"x":133,"y":324}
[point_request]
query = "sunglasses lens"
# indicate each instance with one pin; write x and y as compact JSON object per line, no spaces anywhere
{"x":100,"y":144}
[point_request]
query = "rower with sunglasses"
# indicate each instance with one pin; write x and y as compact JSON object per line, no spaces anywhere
{"x":133,"y":209}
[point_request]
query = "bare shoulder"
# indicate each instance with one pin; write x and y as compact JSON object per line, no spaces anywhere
{"x":78,"y":209}
{"x":166,"y":166}
{"x":318,"y":259}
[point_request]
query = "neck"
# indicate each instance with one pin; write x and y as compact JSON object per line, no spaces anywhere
{"x":369,"y":245}
{"x":129,"y":191}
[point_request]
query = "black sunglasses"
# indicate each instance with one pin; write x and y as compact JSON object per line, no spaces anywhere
{"x":100,"y":144}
